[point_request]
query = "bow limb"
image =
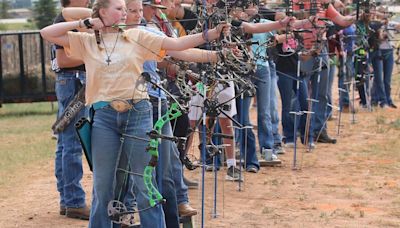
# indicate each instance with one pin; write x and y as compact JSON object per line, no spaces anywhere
{"x":154,"y":195}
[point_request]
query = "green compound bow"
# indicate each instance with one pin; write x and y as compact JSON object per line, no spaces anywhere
{"x":155,"y":196}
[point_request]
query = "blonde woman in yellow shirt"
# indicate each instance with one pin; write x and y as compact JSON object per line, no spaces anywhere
{"x":114,"y":62}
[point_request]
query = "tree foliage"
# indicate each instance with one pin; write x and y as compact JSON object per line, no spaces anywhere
{"x":44,"y":12}
{"x":4,"y":7}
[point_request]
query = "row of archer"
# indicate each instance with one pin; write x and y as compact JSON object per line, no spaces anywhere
{"x":233,"y":68}
{"x":307,"y":70}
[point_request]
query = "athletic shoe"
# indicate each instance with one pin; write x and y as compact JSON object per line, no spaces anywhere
{"x":289,"y":145}
{"x":233,"y":174}
{"x":252,"y":169}
{"x":210,"y":168}
{"x":278,"y":149}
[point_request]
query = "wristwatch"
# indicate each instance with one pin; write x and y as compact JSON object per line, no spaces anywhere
{"x":87,"y":23}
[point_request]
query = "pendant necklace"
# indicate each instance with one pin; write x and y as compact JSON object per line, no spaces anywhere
{"x":108,"y":60}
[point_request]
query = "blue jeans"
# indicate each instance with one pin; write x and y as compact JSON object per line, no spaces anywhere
{"x":247,"y":138}
{"x":331,"y":76}
{"x":68,"y":161}
{"x":320,"y":83}
{"x":346,"y":72}
{"x":108,"y":125}
{"x":273,"y":107}
{"x":288,"y":87}
{"x":177,"y":175}
{"x":263,"y":86}
{"x":378,"y":89}
{"x":388,"y":62}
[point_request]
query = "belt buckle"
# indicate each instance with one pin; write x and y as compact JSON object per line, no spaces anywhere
{"x":120,"y":105}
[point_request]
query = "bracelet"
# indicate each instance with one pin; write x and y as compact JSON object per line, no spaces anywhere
{"x":87,"y":23}
{"x":80,"y":23}
{"x":205,"y":36}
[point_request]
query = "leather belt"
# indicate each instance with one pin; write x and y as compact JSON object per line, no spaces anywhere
{"x":119,"y":105}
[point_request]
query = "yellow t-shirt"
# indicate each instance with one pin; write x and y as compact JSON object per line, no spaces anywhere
{"x":121,"y":78}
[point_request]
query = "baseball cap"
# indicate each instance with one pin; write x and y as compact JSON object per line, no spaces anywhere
{"x":154,"y":3}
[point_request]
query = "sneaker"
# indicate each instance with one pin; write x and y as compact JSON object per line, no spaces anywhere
{"x":210,"y":168}
{"x":392,"y":105}
{"x":311,"y":146}
{"x":252,"y":169}
{"x":274,"y":157}
{"x":266,"y":154}
{"x":190,"y":184}
{"x":278,"y":149}
{"x":78,"y":213}
{"x":269,"y":155}
{"x":188,"y":164}
{"x":233,"y":174}
{"x":289,"y":145}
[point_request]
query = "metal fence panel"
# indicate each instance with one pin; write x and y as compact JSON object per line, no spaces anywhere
{"x":25,"y":74}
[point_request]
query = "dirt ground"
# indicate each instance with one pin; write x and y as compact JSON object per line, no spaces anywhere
{"x":354,"y":183}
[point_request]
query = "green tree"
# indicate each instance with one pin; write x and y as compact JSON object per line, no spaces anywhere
{"x":4,"y":7}
{"x":44,"y":12}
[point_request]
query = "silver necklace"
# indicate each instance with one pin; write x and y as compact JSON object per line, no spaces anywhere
{"x":108,"y":60}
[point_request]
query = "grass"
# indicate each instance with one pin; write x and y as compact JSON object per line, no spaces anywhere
{"x":267,"y":210}
{"x":342,"y":213}
{"x":25,"y":137}
{"x":386,"y":223}
{"x":18,"y":26}
{"x":380,"y":119}
{"x":27,"y":109}
{"x":395,"y":124}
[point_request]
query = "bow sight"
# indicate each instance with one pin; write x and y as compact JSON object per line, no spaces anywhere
{"x":242,"y":3}
{"x":365,"y":4}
